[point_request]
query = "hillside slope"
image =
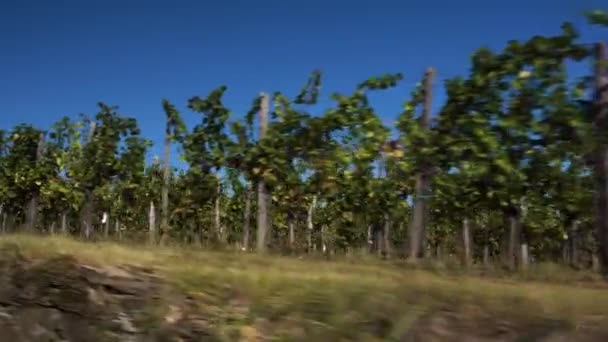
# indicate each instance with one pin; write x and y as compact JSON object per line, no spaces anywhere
{"x":55,"y":289}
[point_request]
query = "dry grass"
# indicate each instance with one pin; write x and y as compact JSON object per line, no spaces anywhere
{"x":331,"y":298}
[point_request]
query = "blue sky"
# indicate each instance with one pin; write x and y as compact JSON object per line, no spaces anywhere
{"x":62,"y":57}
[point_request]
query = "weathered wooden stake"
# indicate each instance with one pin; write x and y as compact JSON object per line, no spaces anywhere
{"x":263,"y":226}
{"x":600,"y":117}
{"x":417,"y":229}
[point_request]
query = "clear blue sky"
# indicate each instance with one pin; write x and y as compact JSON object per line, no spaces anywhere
{"x":60,"y":57}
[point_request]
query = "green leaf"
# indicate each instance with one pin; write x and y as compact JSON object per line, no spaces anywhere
{"x":597,"y":17}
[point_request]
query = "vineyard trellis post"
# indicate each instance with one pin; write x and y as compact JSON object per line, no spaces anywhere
{"x":600,"y":116}
{"x":417,"y":229}
{"x":263,"y":226}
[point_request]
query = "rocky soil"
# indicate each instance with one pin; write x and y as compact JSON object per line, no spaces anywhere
{"x":61,"y":299}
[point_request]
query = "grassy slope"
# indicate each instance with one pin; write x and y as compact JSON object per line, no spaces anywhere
{"x":335,"y":300}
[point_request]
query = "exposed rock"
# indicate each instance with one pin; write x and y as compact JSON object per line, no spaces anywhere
{"x":62,"y":300}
